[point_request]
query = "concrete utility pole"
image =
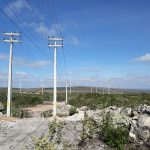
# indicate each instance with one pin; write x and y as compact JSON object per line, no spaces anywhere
{"x":55,"y":42}
{"x":42,"y":86}
{"x":11,"y":41}
{"x":20,"y":87}
{"x":108,"y":87}
{"x":66,"y":93}
{"x":70,"y":87}
{"x":96,"y":89}
{"x":91,"y":90}
{"x":4,"y":83}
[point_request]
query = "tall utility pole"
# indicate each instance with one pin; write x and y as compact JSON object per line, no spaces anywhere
{"x":42,"y":87}
{"x":55,"y":42}
{"x":91,"y":89}
{"x":4,"y":83}
{"x":20,"y":87}
{"x":70,"y":87}
{"x":96,"y":89}
{"x":108,"y":87}
{"x":12,"y":40}
{"x":66,"y":93}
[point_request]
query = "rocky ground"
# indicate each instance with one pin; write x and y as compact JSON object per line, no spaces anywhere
{"x":18,"y":134}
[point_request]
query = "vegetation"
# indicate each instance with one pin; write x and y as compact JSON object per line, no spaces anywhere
{"x":113,"y":136}
{"x":20,"y":101}
{"x":53,"y":127}
{"x":47,"y":143}
{"x":42,"y":143}
{"x":47,"y":114}
{"x":72,"y":111}
{"x":101,"y":101}
{"x":20,"y":113}
{"x":90,"y":127}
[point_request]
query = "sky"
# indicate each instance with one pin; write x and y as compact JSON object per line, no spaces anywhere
{"x":105,"y":41}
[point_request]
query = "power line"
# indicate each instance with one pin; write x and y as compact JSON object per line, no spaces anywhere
{"x":33,"y":43}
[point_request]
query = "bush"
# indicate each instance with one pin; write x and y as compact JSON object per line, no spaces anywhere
{"x":113,"y":136}
{"x":20,"y":113}
{"x":90,"y":127}
{"x":47,"y":114}
{"x":43,"y":144}
{"x":55,"y":127}
{"x":72,"y":111}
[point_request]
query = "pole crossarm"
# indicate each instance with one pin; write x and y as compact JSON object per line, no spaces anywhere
{"x":11,"y":34}
{"x":12,"y":41}
{"x":55,"y":39}
{"x":57,"y":45}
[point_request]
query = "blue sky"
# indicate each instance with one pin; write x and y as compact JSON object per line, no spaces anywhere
{"x":104,"y":40}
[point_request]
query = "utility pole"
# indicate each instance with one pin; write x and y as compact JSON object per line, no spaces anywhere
{"x":91,"y":90}
{"x":108,"y":87}
{"x":96,"y":89}
{"x":12,"y":40}
{"x":4,"y":83}
{"x":66,"y":93}
{"x":70,"y":87}
{"x":20,"y":87}
{"x":55,"y":42}
{"x":103,"y":91}
{"x":42,"y":86}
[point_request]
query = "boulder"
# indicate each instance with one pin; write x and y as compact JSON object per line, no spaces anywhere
{"x":144,"y":121}
{"x":135,"y":115}
{"x":128,"y":112}
{"x":97,"y":115}
{"x":144,"y":109}
{"x":143,"y":131}
{"x":76,"y":117}
{"x":83,"y":108}
{"x":133,"y":131}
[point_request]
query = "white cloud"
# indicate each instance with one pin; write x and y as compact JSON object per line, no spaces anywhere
{"x":3,"y":56}
{"x":38,"y":64}
{"x":17,"y":6}
{"x":73,"y":40}
{"x":21,"y":73}
{"x":31,"y":64}
{"x":144,"y":58}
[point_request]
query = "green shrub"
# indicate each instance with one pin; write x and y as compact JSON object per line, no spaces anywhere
{"x":90,"y":127}
{"x":113,"y":136}
{"x":20,"y":113}
{"x":72,"y":111}
{"x":47,"y":114}
{"x":55,"y":128}
{"x":43,"y":144}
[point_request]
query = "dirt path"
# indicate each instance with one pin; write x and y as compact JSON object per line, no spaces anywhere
{"x":40,"y":108}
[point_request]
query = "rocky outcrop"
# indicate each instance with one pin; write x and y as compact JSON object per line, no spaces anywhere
{"x":137,"y":121}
